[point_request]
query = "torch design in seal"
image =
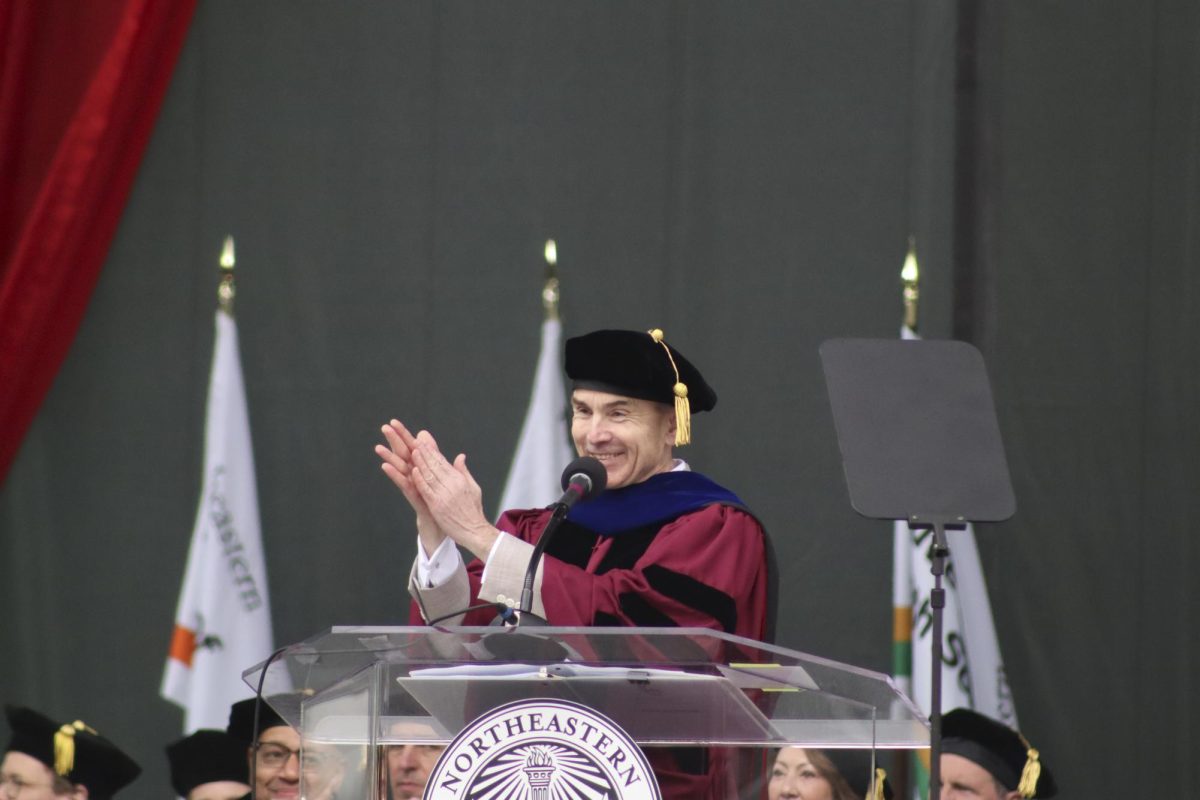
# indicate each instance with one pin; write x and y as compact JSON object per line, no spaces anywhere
{"x":539,"y":772}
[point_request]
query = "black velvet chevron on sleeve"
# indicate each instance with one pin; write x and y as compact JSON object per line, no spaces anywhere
{"x":574,"y":543}
{"x":695,"y":594}
{"x":644,"y":615}
{"x":628,"y":548}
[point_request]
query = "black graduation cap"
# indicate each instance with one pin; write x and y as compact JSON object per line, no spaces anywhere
{"x":1000,"y":750}
{"x":855,"y":767}
{"x":74,"y":751}
{"x":641,"y":365}
{"x":241,"y":719}
{"x":207,"y":756}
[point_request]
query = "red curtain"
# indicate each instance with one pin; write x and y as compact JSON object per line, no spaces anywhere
{"x":80,"y":87}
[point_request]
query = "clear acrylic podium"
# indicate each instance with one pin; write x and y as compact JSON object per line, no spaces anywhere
{"x":357,"y":690}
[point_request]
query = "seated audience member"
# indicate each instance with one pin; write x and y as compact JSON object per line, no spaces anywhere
{"x":806,"y":774}
{"x":409,"y":760}
{"x":209,"y":765}
{"x":984,"y":759}
{"x":46,"y":760}
{"x":408,"y":768}
{"x":276,"y":763}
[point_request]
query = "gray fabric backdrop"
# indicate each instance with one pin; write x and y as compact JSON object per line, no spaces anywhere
{"x":743,"y":175}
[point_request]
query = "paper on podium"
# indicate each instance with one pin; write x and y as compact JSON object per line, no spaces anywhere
{"x":654,"y":706}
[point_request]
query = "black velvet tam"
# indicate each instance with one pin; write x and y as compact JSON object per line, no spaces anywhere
{"x":94,"y":761}
{"x":633,"y":364}
{"x":241,"y":719}
{"x":997,"y":748}
{"x":855,"y":767}
{"x":207,"y":756}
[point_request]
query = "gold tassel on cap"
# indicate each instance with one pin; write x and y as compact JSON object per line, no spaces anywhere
{"x":876,"y":790}
{"x":1030,"y":774}
{"x":683,"y":411}
{"x":64,"y":747}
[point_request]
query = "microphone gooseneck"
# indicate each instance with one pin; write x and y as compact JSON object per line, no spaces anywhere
{"x":583,"y":479}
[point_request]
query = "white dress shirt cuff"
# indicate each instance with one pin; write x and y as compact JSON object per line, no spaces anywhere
{"x":437,"y":569}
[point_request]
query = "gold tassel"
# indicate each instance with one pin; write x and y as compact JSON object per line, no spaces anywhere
{"x":683,"y":409}
{"x":1030,"y":774}
{"x":64,"y":747}
{"x":876,"y":791}
{"x":683,"y":416}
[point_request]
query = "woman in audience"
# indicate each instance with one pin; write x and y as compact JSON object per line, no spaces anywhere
{"x":805,"y":774}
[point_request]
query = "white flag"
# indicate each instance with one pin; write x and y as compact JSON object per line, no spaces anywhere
{"x":972,"y":669}
{"x":223,"y":621}
{"x":543,"y":450}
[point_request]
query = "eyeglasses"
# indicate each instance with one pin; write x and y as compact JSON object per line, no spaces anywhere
{"x":273,"y":757}
{"x":11,"y":785}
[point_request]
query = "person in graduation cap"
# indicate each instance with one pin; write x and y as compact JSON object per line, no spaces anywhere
{"x":209,"y":765}
{"x":986,"y":760}
{"x":272,"y":748}
{"x":46,"y":759}
{"x":801,"y":773}
{"x":662,"y":546}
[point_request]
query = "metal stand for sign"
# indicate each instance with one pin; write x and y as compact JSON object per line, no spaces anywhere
{"x":920,"y":442}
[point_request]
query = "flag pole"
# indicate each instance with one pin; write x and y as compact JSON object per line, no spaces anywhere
{"x":902,"y":583}
{"x":959,"y":611}
{"x":542,"y":446}
{"x":939,"y":551}
{"x":223,"y":617}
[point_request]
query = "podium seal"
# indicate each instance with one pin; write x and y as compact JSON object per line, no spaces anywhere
{"x":542,"y":750}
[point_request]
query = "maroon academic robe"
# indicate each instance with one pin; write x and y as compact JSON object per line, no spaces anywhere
{"x":704,"y":569}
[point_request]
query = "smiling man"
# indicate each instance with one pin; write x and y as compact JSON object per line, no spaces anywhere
{"x":277,"y":762}
{"x":663,"y":546}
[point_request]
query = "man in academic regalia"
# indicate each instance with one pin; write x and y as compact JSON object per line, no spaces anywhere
{"x":983,"y":759}
{"x":272,"y":749}
{"x":47,"y":760}
{"x":662,"y":546}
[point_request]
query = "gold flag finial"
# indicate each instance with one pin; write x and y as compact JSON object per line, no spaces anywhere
{"x":550,"y":288}
{"x":225,"y":289}
{"x":910,"y":276}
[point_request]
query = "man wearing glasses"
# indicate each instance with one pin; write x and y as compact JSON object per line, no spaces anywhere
{"x":46,"y":760}
{"x":277,"y":764}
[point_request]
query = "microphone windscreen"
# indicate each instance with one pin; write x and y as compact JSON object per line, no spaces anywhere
{"x":592,"y":468}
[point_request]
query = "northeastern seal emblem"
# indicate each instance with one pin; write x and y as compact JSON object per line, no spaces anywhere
{"x":542,"y":750}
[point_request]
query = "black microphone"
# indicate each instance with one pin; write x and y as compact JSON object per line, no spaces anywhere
{"x":583,"y":479}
